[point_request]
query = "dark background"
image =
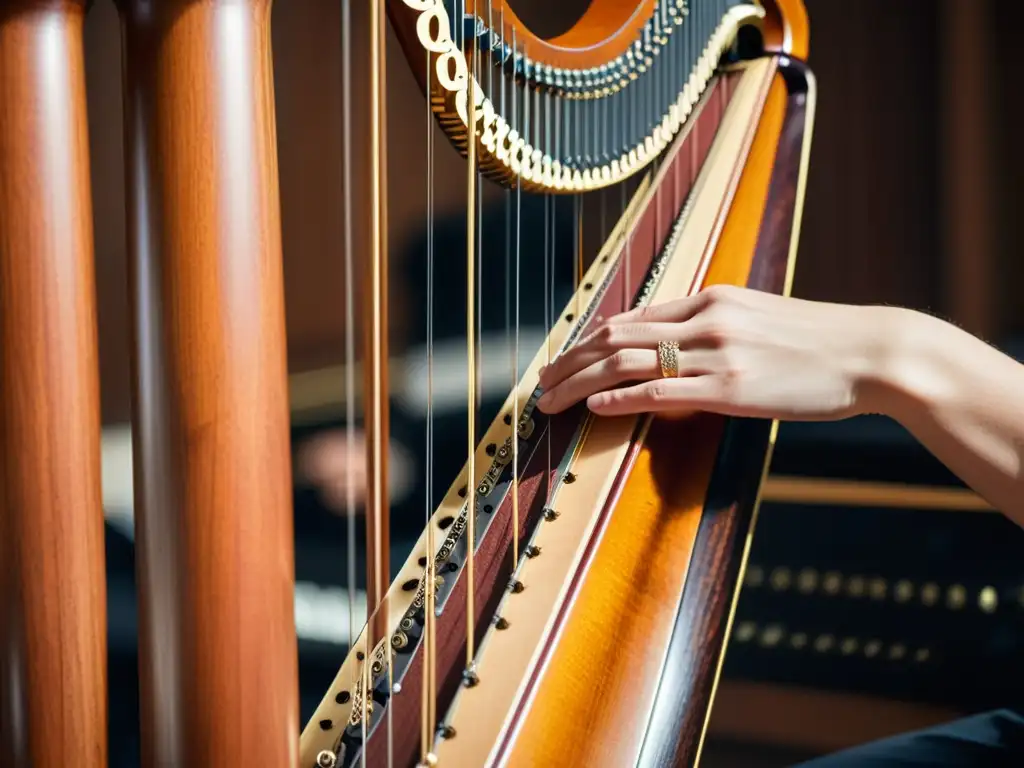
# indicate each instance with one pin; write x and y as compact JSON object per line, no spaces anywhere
{"x":912,"y":199}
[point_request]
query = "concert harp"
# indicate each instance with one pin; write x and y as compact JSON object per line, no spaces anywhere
{"x":569,"y":601}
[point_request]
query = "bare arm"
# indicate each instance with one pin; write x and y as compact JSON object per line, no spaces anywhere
{"x":961,"y":398}
{"x":747,"y":353}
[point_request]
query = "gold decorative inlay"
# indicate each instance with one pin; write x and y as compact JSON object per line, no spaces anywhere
{"x":503,"y":153}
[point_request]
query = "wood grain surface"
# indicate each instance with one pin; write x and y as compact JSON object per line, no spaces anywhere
{"x":786,"y":28}
{"x":493,"y":556}
{"x":603,"y":680}
{"x":53,"y":658}
{"x":694,"y":657}
{"x":218,"y":659}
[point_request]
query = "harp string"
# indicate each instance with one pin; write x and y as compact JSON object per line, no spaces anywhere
{"x":515,"y":343}
{"x":471,"y":360}
{"x":429,"y":702}
{"x":350,"y":345}
{"x":375,"y":365}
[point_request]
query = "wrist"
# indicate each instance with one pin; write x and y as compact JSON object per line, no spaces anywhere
{"x":902,"y":351}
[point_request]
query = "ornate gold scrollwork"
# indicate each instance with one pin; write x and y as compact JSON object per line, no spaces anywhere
{"x":502,"y":152}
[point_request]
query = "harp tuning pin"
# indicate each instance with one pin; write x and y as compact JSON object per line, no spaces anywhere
{"x":504,"y":455}
{"x":326,"y":759}
{"x":525,"y":428}
{"x":550,"y":514}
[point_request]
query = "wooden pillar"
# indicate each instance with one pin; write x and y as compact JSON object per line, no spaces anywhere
{"x":53,"y":702}
{"x":218,"y":658}
{"x":967,"y":164}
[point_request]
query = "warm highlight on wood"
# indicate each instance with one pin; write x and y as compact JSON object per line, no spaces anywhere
{"x":508,"y":657}
{"x":786,"y":29}
{"x":53,"y":656}
{"x":824,"y":491}
{"x":606,"y":29}
{"x":213,"y":482}
{"x":603,"y":677}
{"x":580,"y":575}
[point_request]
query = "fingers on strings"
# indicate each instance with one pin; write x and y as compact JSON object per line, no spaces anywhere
{"x":615,"y":369}
{"x":622,"y":350}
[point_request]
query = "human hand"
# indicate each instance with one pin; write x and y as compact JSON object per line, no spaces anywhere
{"x":741,"y":353}
{"x":335,"y":463}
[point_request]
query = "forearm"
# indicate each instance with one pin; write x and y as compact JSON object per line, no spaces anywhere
{"x":962,"y":399}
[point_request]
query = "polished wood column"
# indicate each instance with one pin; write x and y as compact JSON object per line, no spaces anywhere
{"x":213,"y":482}
{"x":53,"y":703}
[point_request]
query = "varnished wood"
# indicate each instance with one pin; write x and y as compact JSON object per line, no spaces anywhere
{"x":686,"y":692}
{"x":335,"y":709}
{"x":786,"y":29}
{"x":855,"y":493}
{"x":568,"y":662}
{"x":215,"y":566}
{"x":605,"y":30}
{"x":53,"y":660}
{"x":512,"y":661}
{"x":492,"y":560}
{"x":376,"y":413}
{"x":602,"y":681}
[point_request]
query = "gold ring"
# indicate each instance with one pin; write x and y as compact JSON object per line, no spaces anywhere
{"x":668,"y":358}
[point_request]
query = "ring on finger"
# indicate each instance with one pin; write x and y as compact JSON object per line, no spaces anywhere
{"x":668,"y":359}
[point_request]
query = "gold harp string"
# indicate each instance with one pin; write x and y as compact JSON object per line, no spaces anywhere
{"x":375,"y":362}
{"x":582,"y":146}
{"x":579,"y":253}
{"x":429,"y":697}
{"x":549,"y":263}
{"x":350,"y":344}
{"x":515,"y":350}
{"x":471,"y":357}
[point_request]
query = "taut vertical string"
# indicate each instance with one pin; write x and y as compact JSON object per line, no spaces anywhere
{"x":429,"y":698}
{"x":471,"y":359}
{"x":375,"y":365}
{"x":515,"y":351}
{"x":350,"y":321}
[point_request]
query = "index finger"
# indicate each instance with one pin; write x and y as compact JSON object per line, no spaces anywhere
{"x":675,"y":311}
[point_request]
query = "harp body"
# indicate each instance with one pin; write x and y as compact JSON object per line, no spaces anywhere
{"x":603,"y":644}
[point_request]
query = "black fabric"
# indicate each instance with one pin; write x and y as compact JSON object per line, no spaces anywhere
{"x":988,"y":740}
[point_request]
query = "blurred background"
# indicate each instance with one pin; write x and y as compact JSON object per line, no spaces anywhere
{"x":881,"y":596}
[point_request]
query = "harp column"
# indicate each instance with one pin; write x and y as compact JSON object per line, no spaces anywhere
{"x":52,"y":595}
{"x":218,"y":652}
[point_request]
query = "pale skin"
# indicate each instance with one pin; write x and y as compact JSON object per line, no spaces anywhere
{"x":748,"y":353}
